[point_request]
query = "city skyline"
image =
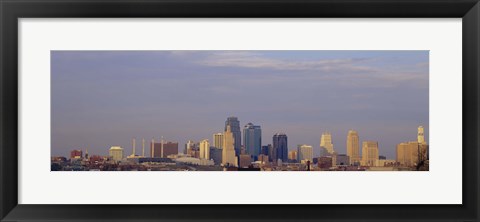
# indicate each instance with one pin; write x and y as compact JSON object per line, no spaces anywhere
{"x":128,"y":101}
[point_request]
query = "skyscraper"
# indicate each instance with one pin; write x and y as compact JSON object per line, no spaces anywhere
{"x":189,"y":146}
{"x":305,"y":153}
{"x":280,"y":147}
{"x":369,"y":153}
{"x":204,"y":149}
{"x":252,"y":139}
{"x":326,"y":142}
{"x":228,"y":152}
{"x":218,"y":140}
{"x":237,"y":135}
{"x":420,"y":136}
{"x":353,"y":147}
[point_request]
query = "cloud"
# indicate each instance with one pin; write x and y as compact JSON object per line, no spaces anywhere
{"x":244,"y":59}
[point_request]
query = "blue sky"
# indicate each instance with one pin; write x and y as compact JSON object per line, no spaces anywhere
{"x":105,"y":98}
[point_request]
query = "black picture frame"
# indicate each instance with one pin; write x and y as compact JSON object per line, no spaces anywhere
{"x":12,"y":10}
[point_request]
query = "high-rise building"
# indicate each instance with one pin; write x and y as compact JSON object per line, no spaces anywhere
{"x":163,"y":149}
{"x":280,"y":147}
{"x":218,"y":140}
{"x":216,"y":155}
{"x":326,"y":142}
{"x":264,"y":150}
{"x":252,"y":139}
{"x":237,"y":135}
{"x":353,"y":147}
{"x":204,"y":149}
{"x":420,"y":136}
{"x":189,"y":148}
{"x":411,"y":153}
{"x":169,"y":148}
{"x":292,"y":155}
{"x":228,"y":151}
{"x":116,"y":153}
{"x":305,"y":153}
{"x":369,"y":153}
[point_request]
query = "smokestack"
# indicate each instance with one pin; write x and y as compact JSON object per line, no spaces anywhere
{"x":143,"y":147}
{"x":133,"y":145}
{"x":152,"y":148}
{"x":161,"y":147}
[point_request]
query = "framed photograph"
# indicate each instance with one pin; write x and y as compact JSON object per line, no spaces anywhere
{"x":239,"y":110}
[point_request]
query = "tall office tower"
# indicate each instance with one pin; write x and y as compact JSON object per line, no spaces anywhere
{"x":252,"y":139}
{"x":280,"y":147}
{"x":189,"y":147}
{"x":204,"y":149}
{"x":420,"y":136}
{"x":228,"y":151}
{"x":411,"y":153}
{"x":116,"y":153}
{"x":326,"y":142}
{"x":237,"y":135}
{"x":304,"y":153}
{"x":353,"y":147}
{"x":369,"y":153}
{"x":218,"y":140}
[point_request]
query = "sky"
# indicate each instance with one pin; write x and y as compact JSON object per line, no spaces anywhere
{"x":101,"y":99}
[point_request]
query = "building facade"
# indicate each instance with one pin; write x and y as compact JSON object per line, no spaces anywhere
{"x":228,"y":151}
{"x":369,"y":153}
{"x":237,"y":135}
{"x":252,"y":139}
{"x":280,"y":147}
{"x":353,"y":147}
{"x":411,"y":153}
{"x":163,"y":149}
{"x":326,"y":142}
{"x":116,"y":153}
{"x":304,"y":153}
{"x":218,"y":140}
{"x":204,"y":149}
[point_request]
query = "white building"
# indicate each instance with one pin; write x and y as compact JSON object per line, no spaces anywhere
{"x":326,"y":142}
{"x":369,"y":153}
{"x":116,"y":152}
{"x":353,"y":147}
{"x":304,"y":153}
{"x":218,"y":140}
{"x":204,"y":149}
{"x":228,"y":151}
